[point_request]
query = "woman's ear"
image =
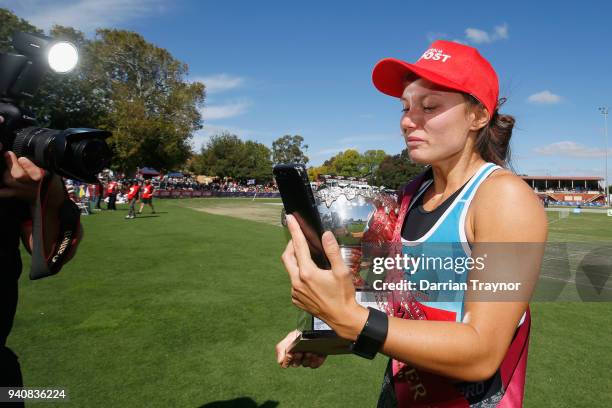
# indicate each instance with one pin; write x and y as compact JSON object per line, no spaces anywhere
{"x":480,"y":118}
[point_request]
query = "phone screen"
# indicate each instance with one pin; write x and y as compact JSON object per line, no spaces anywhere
{"x":298,"y":201}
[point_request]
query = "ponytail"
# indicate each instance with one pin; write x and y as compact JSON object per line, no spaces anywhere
{"x":493,"y":140}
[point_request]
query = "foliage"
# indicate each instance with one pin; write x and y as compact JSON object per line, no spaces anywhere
{"x":123,"y":84}
{"x":289,"y":149}
{"x":9,"y":23}
{"x":226,"y":155}
{"x":152,"y":110}
{"x":396,"y":170}
{"x":351,"y":163}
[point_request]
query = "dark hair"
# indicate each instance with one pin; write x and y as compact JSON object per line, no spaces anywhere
{"x":493,"y":140}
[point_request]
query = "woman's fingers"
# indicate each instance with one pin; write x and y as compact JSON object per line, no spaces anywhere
{"x":314,"y":360}
{"x":302,"y":252}
{"x":332,"y":251}
{"x":297,"y":359}
{"x":283,"y":357}
{"x":290,"y":262}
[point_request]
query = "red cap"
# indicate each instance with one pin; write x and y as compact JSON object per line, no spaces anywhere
{"x":445,"y":63}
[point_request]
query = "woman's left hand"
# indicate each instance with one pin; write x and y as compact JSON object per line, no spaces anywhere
{"x":329,"y":295}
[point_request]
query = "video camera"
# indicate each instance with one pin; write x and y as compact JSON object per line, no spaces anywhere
{"x":76,"y":153}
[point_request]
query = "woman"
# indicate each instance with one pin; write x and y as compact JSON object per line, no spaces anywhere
{"x":463,"y":352}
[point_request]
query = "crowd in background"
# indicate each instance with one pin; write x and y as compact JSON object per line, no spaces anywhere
{"x":93,"y":195}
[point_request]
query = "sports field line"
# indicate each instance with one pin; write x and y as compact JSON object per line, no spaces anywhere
{"x":573,"y":281}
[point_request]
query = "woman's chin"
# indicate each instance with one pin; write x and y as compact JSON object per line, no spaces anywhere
{"x":418,"y":157}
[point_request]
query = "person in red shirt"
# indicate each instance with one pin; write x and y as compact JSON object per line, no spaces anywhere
{"x":147,"y":197}
{"x":132,"y":198}
{"x":111,"y":191}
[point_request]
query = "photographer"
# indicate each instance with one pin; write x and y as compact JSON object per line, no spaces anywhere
{"x":22,"y":184}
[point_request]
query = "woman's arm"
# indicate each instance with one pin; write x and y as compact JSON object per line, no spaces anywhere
{"x":506,"y":211}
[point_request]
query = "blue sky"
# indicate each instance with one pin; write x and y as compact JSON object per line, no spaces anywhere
{"x":288,"y":67}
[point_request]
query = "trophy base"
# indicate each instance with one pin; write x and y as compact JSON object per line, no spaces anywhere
{"x":323,"y":342}
{"x":317,"y":337}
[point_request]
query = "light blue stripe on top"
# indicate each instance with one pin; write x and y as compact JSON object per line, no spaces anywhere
{"x":446,"y":239}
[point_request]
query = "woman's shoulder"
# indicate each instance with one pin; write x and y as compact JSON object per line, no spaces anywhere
{"x":504,"y":201}
{"x":503,"y":184}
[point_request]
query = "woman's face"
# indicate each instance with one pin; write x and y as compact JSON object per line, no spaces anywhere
{"x":435,"y":121}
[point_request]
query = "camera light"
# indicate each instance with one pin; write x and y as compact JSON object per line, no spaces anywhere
{"x":62,"y":57}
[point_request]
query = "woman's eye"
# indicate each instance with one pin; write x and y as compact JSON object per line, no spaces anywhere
{"x":428,"y":108}
{"x":405,"y":110}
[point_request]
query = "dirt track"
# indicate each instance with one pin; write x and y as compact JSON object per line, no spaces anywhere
{"x":258,"y":212}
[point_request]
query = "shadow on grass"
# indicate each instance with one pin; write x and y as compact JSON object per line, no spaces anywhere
{"x":242,"y":402}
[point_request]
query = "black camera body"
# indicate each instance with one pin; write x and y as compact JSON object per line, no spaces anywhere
{"x":76,"y":153}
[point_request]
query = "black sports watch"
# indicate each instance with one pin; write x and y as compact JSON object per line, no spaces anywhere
{"x":372,"y":336}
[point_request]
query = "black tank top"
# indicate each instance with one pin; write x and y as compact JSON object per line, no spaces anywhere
{"x":420,"y":220}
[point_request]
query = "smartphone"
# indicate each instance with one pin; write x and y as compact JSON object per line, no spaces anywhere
{"x":298,"y":200}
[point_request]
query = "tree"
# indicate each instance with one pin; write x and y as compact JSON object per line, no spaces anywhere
{"x":349,"y":163}
{"x":220,"y":156}
{"x":396,"y":170}
{"x":9,"y":23}
{"x":225,"y":155}
{"x":289,"y":149}
{"x":61,"y":101}
{"x":125,"y":85}
{"x":371,"y":162}
{"x":72,"y":100}
{"x":153,"y":111}
{"x":257,"y":161}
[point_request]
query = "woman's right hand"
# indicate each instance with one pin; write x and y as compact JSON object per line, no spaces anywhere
{"x":287,"y":359}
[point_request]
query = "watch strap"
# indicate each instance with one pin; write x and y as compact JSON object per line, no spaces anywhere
{"x":373,"y":334}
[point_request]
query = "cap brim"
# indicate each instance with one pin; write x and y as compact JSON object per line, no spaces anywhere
{"x":389,"y":77}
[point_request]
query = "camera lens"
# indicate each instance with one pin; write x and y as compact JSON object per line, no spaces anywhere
{"x":75,"y":153}
{"x":90,"y":156}
{"x":44,"y":147}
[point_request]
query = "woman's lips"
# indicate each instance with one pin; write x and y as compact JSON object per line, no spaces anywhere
{"x":413,"y":140}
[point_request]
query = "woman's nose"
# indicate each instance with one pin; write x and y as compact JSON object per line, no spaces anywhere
{"x":408,"y":121}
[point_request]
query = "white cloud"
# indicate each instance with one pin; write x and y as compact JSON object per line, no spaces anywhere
{"x":545,"y":97}
{"x":228,"y":110}
{"x":220,"y":82}
{"x":85,"y":15}
{"x":478,"y":36}
{"x":501,"y":32}
{"x":570,"y":149}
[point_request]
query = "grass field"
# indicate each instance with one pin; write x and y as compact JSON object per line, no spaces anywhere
{"x":183,"y":309}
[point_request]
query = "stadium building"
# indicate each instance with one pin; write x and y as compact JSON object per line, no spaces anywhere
{"x":568,"y":191}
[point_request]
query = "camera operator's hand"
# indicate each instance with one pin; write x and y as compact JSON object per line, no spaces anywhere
{"x":21,"y":180}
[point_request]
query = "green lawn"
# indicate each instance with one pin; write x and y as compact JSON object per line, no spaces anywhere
{"x":183,"y":309}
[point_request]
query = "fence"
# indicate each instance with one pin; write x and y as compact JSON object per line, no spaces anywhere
{"x":210,"y":193}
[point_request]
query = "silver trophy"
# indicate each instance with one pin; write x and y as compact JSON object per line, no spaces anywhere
{"x":362,"y":218}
